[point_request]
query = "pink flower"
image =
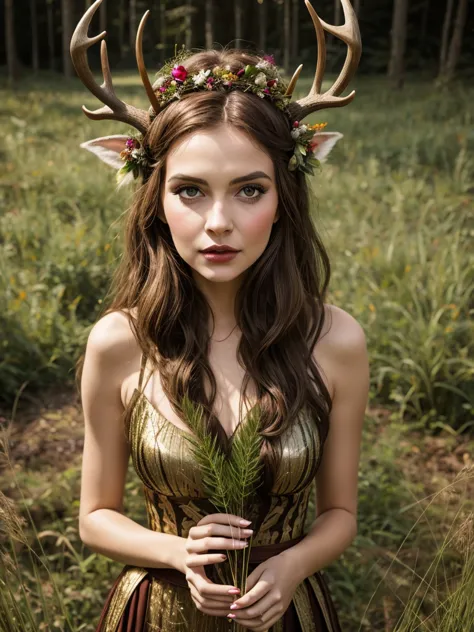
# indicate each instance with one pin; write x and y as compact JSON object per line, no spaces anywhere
{"x":269,"y":58}
{"x":296,"y":124}
{"x":271,"y":83}
{"x":162,"y":88}
{"x":228,"y":83}
{"x":266,"y":90}
{"x":179,"y":73}
{"x":240,"y":72}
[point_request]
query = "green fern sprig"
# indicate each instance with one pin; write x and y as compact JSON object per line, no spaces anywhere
{"x":244,"y":467}
{"x":245,"y":477}
{"x":210,"y":458}
{"x":228,"y":481}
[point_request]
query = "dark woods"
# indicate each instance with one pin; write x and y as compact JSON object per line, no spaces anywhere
{"x":399,"y":36}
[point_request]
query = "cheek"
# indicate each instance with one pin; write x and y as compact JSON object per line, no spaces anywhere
{"x":182,"y":224}
{"x":259,"y":226}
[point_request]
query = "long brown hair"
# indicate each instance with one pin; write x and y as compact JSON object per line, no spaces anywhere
{"x":280,"y":304}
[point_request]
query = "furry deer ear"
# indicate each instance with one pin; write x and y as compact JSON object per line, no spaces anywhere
{"x":108,"y":149}
{"x":323,"y":142}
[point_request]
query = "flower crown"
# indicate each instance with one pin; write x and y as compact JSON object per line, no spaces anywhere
{"x":264,"y":79}
{"x":174,"y":80}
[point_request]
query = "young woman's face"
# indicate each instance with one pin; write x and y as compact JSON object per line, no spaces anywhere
{"x":203,"y":206}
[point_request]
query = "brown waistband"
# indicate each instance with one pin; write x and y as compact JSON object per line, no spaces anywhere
{"x":258,"y":554}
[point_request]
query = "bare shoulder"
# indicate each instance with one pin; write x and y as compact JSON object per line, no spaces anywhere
{"x":112,"y":334}
{"x":342,"y":344}
{"x":342,"y":333}
{"x":113,"y":346}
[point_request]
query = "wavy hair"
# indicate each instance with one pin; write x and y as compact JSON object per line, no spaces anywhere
{"x":279,"y":306}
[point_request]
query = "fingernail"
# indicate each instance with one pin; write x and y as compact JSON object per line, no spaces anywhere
{"x":245,"y":523}
{"x":231,"y":616}
{"x":233,"y":591}
{"x":234,"y":606}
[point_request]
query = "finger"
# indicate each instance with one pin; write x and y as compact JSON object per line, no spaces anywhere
{"x":215,"y":612}
{"x":252,"y":624}
{"x":257,"y":610}
{"x":269,"y":619}
{"x":223,"y":518}
{"x":261,"y":588}
{"x":217,"y":601}
{"x":207,"y":588}
{"x":203,"y":530}
{"x":195,"y":559}
{"x":204,"y":544}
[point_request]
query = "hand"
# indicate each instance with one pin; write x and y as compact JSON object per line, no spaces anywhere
{"x":270,"y":589}
{"x":211,"y":598}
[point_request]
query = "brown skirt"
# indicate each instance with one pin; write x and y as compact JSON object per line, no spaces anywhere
{"x":133,"y":618}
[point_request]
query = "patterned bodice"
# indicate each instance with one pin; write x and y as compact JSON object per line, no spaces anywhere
{"x":174,"y":492}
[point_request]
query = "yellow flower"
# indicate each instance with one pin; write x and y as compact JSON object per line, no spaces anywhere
{"x":448,"y":329}
{"x":106,"y":247}
{"x":372,"y":307}
{"x":407,"y":268}
{"x":317,"y":126}
{"x":22,"y":295}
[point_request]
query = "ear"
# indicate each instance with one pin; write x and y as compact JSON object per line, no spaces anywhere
{"x":323,"y":142}
{"x":108,"y":149}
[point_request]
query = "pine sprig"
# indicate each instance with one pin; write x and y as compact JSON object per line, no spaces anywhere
{"x":210,"y":458}
{"x":244,"y":467}
{"x":229,"y":482}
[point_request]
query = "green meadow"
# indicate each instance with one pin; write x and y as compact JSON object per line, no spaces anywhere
{"x":394,"y":205}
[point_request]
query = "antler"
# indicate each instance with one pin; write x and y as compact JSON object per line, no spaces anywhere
{"x":349,"y":33}
{"x":114,"y":108}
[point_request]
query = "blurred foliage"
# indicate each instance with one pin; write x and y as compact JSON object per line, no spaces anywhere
{"x":424,"y":31}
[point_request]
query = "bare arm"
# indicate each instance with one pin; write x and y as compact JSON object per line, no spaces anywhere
{"x":337,"y":478}
{"x":111,"y":355}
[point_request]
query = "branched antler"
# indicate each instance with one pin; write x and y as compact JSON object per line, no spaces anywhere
{"x":349,"y":33}
{"x":114,"y":108}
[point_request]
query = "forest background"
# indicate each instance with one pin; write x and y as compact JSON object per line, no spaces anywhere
{"x":395,"y":209}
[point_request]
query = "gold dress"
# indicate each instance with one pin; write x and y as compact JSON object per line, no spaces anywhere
{"x":159,"y":600}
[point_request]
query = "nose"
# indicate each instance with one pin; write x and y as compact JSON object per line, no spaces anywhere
{"x":217,"y":220}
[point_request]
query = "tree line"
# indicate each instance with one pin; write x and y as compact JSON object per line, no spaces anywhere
{"x":430,"y":36}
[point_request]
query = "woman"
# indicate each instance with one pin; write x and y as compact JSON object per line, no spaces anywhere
{"x":223,"y":158}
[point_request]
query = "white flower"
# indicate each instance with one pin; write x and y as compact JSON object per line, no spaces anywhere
{"x":261,"y":94}
{"x":295,"y":133}
{"x":303,"y":128}
{"x":263,"y":65}
{"x":201,"y":77}
{"x":159,"y":82}
{"x":261,"y":80}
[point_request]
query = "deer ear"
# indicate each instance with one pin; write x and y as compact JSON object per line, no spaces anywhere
{"x":108,"y":149}
{"x":323,"y":142}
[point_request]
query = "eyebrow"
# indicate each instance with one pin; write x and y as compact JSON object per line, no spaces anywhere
{"x":249,"y":176}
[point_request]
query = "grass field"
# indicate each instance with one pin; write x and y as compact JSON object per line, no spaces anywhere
{"x":395,"y":208}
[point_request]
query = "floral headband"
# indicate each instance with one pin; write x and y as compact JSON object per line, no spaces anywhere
{"x":132,"y":158}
